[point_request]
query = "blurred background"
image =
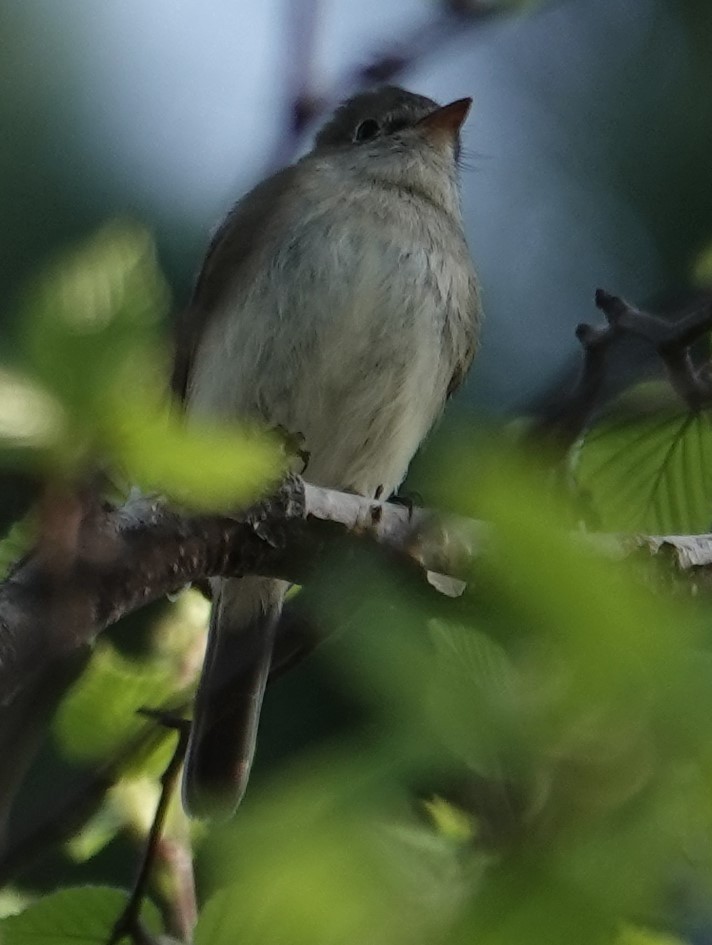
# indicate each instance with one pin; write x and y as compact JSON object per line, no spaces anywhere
{"x":586,"y":164}
{"x":587,"y":152}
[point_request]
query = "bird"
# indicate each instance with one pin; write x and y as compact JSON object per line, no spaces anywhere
{"x":338,"y":301}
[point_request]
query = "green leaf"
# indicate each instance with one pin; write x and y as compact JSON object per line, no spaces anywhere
{"x":76,"y":916}
{"x":33,"y":423}
{"x":451,"y":821}
{"x":631,"y":935}
{"x":647,"y":466}
{"x":96,"y":833}
{"x":95,"y":383}
{"x":12,"y":902}
{"x":528,"y":903}
{"x":91,"y":313}
{"x":89,"y":327}
{"x":100,"y":713}
{"x":474,"y":679}
{"x":16,"y":542}
{"x":205,"y":465}
{"x":313,"y":863}
{"x":702,"y":268}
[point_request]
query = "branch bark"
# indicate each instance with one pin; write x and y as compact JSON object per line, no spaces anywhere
{"x":129,"y":556}
{"x":126,"y":557}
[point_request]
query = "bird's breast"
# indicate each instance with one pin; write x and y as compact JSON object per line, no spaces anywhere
{"x":344,"y":334}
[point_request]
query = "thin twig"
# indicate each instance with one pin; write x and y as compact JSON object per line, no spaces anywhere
{"x":128,"y":922}
{"x":451,"y":19}
{"x":181,"y":906}
{"x":51,"y":824}
{"x":300,"y":33}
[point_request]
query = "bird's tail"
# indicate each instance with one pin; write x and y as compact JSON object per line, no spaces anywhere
{"x":243,"y":621}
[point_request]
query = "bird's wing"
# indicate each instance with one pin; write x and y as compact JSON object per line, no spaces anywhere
{"x":465,"y":349}
{"x":250,"y":222}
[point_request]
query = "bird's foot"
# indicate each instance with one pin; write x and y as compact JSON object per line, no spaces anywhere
{"x":408,"y":499}
{"x":294,"y":445}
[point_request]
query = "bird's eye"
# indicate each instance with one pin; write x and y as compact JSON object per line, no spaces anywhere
{"x":368,"y":129}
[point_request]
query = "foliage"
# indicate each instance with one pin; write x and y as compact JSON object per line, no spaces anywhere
{"x":646,"y":466}
{"x":91,"y":385}
{"x":529,"y":763}
{"x":83,"y":916}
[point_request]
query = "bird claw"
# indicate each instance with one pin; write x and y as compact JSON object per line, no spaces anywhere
{"x":293,"y":444}
{"x":408,"y":499}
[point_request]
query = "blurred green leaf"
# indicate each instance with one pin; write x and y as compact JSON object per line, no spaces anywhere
{"x":30,"y":418}
{"x":91,"y":313}
{"x":77,"y":916}
{"x":635,"y":936}
{"x":647,"y":465}
{"x":313,"y":862}
{"x":702,"y":268}
{"x":100,"y":715}
{"x":12,"y":901}
{"x":585,"y":700}
{"x":94,"y":388}
{"x":16,"y":542}
{"x":33,"y":426}
{"x":451,"y":821}
{"x":95,"y":834}
{"x":473,"y":679}
{"x":524,"y":902}
{"x":206,"y":465}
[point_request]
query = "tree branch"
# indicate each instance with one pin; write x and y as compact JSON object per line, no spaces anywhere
{"x":126,"y":557}
{"x":672,"y":340}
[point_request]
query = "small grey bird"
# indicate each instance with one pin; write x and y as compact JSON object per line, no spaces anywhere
{"x":339,"y":302}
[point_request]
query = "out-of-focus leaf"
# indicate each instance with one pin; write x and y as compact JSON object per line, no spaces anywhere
{"x":451,"y":821}
{"x":83,"y":915}
{"x":95,"y":385}
{"x":473,"y":679}
{"x":12,"y":901}
{"x":525,"y":902}
{"x":702,"y":268}
{"x":635,"y":936}
{"x":311,"y":864}
{"x":95,"y":834}
{"x":15,"y":543}
{"x":609,"y":698}
{"x":100,"y":713}
{"x":134,"y":800}
{"x":647,"y":465}
{"x":91,"y":313}
{"x":432,"y":867}
{"x":32,"y":421}
{"x":206,"y":465}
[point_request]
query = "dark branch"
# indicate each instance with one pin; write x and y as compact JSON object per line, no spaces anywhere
{"x":132,"y":555}
{"x":672,"y":339}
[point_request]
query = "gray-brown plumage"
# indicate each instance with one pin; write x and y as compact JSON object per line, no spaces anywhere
{"x":337,"y":301}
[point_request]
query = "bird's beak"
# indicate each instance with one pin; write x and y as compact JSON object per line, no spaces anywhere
{"x":445,"y":123}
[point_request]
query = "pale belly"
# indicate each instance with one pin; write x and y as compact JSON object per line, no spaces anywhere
{"x":362,"y":397}
{"x":350,"y":342}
